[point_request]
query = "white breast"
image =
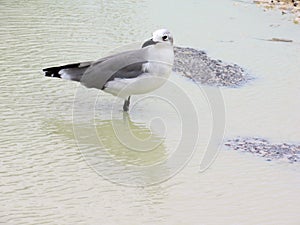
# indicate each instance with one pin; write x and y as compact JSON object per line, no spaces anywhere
{"x":161,"y":59}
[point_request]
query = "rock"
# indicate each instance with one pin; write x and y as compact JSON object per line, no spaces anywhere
{"x":297,"y":20}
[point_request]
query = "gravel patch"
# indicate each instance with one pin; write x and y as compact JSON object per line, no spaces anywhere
{"x":263,"y":148}
{"x":197,"y":65}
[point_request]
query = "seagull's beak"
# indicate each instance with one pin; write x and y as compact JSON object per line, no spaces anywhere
{"x":149,"y":42}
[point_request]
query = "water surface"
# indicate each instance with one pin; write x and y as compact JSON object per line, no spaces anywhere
{"x":46,"y":173}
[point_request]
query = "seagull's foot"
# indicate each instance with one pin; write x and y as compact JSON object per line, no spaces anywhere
{"x":126,"y":104}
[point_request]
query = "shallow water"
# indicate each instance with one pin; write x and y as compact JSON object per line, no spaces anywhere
{"x":61,"y":162}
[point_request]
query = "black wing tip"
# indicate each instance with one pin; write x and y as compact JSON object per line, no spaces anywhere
{"x":52,"y":72}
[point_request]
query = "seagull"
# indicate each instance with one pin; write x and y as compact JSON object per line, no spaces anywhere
{"x":127,"y":73}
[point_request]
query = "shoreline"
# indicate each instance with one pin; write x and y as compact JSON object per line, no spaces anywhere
{"x":285,"y":6}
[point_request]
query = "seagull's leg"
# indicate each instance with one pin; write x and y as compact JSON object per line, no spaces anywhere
{"x":126,"y":104}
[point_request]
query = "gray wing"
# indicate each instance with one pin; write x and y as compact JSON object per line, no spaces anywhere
{"x":123,"y":65}
{"x":130,"y":71}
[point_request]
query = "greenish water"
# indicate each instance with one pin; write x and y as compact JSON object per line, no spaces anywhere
{"x":61,"y":161}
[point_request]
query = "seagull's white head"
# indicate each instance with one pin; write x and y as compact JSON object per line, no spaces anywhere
{"x":160,"y":36}
{"x":163,"y":36}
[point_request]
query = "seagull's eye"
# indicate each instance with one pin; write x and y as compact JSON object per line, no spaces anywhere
{"x":165,"y":37}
